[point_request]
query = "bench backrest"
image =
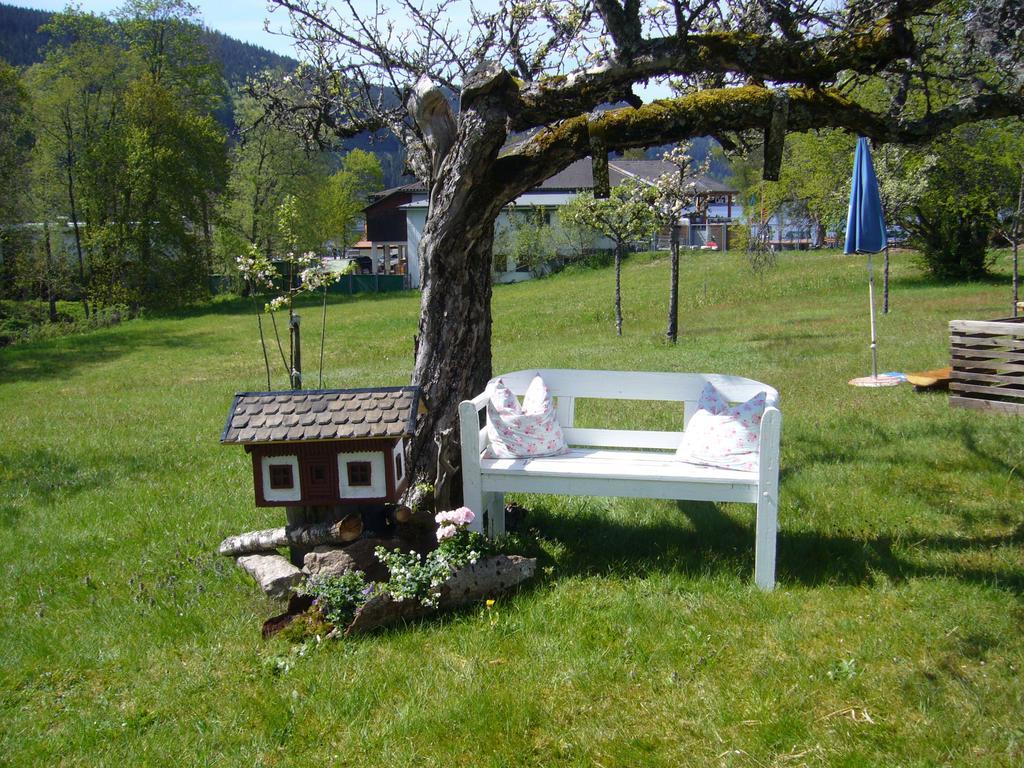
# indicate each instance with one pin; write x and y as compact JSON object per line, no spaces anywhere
{"x":568,"y":385}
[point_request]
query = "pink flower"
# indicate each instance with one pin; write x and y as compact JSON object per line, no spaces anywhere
{"x":460,"y":516}
{"x":446,"y":532}
{"x":463,"y":516}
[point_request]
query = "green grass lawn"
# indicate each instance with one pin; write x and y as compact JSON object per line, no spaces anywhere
{"x":896,"y":636}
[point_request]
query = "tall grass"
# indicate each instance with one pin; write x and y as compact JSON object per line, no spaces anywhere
{"x":894,"y":637}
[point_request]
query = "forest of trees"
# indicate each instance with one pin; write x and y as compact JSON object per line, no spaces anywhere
{"x":121,"y":184}
{"x":25,"y":35}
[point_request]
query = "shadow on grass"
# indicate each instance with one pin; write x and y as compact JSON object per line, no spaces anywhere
{"x":58,"y":358}
{"x":237,"y":305}
{"x":590,"y":543}
{"x":43,"y":476}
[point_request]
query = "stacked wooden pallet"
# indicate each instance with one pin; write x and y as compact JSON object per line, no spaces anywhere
{"x":988,"y":364}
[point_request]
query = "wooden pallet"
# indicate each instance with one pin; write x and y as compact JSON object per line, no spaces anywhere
{"x":987,"y":364}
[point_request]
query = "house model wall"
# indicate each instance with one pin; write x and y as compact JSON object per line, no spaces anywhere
{"x":326,"y":447}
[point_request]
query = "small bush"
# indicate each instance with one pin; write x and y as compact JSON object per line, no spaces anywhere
{"x":24,"y":322}
{"x":954,"y":246}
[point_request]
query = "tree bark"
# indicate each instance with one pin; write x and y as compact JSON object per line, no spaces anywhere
{"x":488,"y":577}
{"x":342,"y":532}
{"x":453,"y":358}
{"x":673,"y":288}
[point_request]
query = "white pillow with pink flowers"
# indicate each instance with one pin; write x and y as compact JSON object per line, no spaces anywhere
{"x":722,"y":435}
{"x":517,"y":431}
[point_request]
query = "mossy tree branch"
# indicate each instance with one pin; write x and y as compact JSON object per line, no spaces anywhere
{"x":728,"y":109}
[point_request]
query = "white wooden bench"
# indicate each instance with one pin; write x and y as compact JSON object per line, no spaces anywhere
{"x":632,"y":463}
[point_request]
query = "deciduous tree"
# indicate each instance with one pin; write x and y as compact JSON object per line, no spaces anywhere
{"x":559,"y":77}
{"x":624,"y":217}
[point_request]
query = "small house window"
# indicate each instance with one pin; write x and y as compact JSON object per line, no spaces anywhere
{"x":399,"y":474}
{"x":281,"y":476}
{"x":359,"y":474}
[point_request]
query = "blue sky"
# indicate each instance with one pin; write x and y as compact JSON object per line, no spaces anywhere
{"x":241,"y":19}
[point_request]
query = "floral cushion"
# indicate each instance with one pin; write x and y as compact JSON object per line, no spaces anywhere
{"x":723,"y":435}
{"x":516,"y":431}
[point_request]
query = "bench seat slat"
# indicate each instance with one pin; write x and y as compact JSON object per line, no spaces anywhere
{"x":622,"y":465}
{"x":607,"y":486}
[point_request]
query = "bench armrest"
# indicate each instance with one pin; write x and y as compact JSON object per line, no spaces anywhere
{"x":472,"y":437}
{"x":768,"y":448}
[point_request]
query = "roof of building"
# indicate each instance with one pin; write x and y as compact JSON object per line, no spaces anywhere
{"x":580,"y":176}
{"x":322,"y":414}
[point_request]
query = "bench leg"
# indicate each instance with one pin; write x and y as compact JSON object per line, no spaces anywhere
{"x":472,"y":497}
{"x":494,"y":503}
{"x":764,"y":547}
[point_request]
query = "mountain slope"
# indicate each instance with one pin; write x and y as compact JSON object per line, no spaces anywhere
{"x":21,"y":44}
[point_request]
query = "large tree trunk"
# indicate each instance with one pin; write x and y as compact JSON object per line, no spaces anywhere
{"x":453,"y":359}
{"x":453,"y":356}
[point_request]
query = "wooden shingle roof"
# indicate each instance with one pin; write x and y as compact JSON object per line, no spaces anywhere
{"x":322,"y":414}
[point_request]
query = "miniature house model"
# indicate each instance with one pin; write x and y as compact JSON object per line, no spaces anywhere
{"x":326,"y":448}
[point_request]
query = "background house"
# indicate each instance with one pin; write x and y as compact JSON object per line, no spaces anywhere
{"x":395,"y":217}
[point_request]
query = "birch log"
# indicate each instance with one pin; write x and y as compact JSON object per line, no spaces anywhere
{"x":342,"y":532}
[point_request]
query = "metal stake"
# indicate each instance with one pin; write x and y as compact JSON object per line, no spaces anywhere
{"x":871,"y":301}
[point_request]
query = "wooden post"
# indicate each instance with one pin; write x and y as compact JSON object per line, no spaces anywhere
{"x":296,"y":372}
{"x":599,"y":167}
{"x":775,"y":135}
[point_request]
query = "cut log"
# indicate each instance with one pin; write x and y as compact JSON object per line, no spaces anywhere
{"x":490,"y":576}
{"x":275,"y":575}
{"x":342,"y":532}
{"x":254,"y":541}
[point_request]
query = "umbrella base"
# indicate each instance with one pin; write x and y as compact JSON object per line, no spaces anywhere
{"x":875,"y":381}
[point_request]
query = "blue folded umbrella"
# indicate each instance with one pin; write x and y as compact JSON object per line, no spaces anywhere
{"x":865,"y":224}
{"x":865,"y":232}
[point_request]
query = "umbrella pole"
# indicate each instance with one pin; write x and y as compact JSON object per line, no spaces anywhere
{"x":871,"y":302}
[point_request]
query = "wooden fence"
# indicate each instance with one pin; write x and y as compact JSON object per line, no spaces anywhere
{"x":988,"y":364}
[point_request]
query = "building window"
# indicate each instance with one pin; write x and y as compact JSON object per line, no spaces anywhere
{"x":281,"y":477}
{"x":399,"y":469}
{"x":359,"y":474}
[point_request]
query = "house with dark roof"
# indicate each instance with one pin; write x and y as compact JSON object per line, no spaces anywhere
{"x":395,"y":217}
{"x":331,"y":448}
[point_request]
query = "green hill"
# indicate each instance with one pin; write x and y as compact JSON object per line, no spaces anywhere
{"x":21,"y":44}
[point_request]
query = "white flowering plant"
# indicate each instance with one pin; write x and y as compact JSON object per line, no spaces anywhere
{"x":420,"y":577}
{"x":293,"y":273}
